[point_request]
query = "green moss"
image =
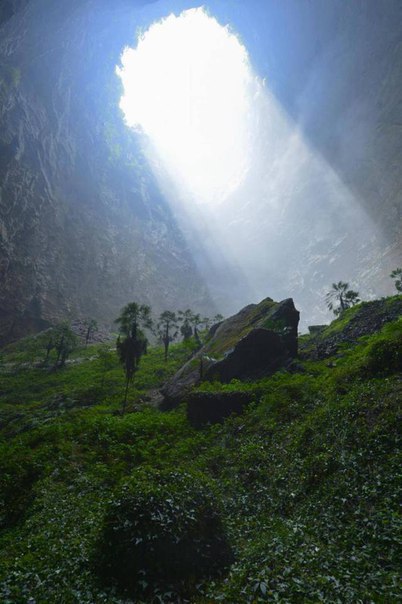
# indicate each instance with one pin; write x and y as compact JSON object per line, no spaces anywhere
{"x":342,"y":321}
{"x":254,"y":316}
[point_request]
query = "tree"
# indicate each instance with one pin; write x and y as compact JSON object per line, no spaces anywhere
{"x":49,"y":345}
{"x":196,"y":323}
{"x":64,"y":341}
{"x":217,"y":318}
{"x":185,"y":317}
{"x":133,"y":317}
{"x":91,"y":326}
{"x":341,"y":297}
{"x":206,"y":322}
{"x":167,"y":329}
{"x":397,"y":276}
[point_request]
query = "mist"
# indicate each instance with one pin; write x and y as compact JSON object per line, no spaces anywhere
{"x":286,"y":225}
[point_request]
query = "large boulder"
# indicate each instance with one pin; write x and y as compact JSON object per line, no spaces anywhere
{"x":256,"y":341}
{"x":260,"y":352}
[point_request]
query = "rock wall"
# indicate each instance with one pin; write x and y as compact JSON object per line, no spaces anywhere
{"x":83,"y":226}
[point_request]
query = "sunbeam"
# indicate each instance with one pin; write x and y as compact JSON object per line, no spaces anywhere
{"x":188,"y":85}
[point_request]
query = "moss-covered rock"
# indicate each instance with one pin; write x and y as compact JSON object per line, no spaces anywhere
{"x":258,"y":340}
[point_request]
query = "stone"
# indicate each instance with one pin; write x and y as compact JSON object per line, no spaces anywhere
{"x":256,"y":341}
{"x":260,"y":352}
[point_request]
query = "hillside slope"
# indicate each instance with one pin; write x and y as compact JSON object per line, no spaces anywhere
{"x":304,"y":485}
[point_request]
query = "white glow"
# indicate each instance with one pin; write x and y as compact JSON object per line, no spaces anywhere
{"x":189,"y":86}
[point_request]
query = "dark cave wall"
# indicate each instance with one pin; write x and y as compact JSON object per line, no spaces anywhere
{"x":84,"y":228}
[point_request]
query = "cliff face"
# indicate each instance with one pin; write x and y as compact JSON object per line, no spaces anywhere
{"x":83,"y":226}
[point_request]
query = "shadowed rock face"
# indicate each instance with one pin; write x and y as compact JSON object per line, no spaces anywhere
{"x":260,"y":352}
{"x":256,"y":341}
{"x":84,"y":228}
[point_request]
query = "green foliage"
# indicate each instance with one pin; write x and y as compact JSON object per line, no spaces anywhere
{"x":217,"y":318}
{"x":396,"y":275}
{"x":162,"y":533}
{"x":304,"y":486}
{"x":64,"y":341}
{"x":340,"y":298}
{"x":167,"y":329}
{"x":278,"y":326}
{"x":384,"y":354}
{"x":91,"y":327}
{"x":134,"y":316}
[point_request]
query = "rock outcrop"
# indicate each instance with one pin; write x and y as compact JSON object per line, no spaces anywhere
{"x":256,"y":341}
{"x":84,"y":228}
{"x":363,"y":320}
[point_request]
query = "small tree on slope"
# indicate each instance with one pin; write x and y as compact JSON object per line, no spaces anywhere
{"x":341,"y":297}
{"x":167,"y":329}
{"x":133,"y":317}
{"x":396,"y":275}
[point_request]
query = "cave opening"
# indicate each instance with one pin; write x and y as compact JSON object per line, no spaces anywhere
{"x":188,"y":87}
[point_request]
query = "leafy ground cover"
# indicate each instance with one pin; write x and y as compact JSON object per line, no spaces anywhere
{"x":306,"y":482}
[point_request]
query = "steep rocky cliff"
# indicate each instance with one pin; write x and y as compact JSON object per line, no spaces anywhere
{"x":83,"y":226}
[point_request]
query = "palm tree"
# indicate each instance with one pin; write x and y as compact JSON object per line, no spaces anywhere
{"x":167,"y":329}
{"x":397,"y":276}
{"x":91,"y":326}
{"x":130,"y":350}
{"x":132,"y":317}
{"x":341,"y":297}
{"x":185,"y":317}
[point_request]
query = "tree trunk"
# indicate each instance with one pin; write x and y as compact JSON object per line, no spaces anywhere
{"x":125,"y":396}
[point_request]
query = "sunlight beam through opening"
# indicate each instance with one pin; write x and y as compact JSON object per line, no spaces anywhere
{"x":189,"y":87}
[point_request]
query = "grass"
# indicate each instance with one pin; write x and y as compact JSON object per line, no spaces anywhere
{"x":307,"y":479}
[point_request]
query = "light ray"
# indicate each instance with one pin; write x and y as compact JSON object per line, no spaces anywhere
{"x":188,"y":85}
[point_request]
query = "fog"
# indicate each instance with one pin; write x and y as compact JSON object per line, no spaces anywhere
{"x":262,"y":210}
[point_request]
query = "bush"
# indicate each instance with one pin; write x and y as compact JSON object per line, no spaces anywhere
{"x":384,"y":357}
{"x":162,"y":532}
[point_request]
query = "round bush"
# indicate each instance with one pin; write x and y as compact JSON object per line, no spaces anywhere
{"x":385,"y":356}
{"x":162,"y":531}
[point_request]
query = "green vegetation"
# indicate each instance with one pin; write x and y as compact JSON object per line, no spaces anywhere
{"x":133,"y":317}
{"x":91,"y":327}
{"x":162,"y":533}
{"x":302,"y":490}
{"x":167,"y":329}
{"x":340,"y":297}
{"x":396,"y":275}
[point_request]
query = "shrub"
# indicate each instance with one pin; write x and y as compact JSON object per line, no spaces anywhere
{"x":385,"y":356}
{"x":162,"y":532}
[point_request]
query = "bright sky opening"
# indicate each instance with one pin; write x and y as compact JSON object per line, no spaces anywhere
{"x":189,"y":86}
